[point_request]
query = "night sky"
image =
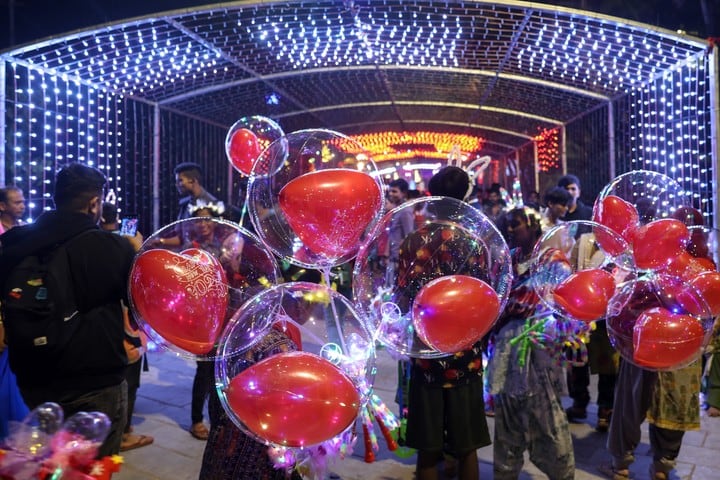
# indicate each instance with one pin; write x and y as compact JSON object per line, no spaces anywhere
{"x":24,"y":21}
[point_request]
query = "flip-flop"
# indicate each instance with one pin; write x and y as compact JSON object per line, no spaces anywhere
{"x":199,"y":431}
{"x":131,"y":442}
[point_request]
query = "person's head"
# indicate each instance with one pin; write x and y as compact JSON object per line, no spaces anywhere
{"x":398,"y":191}
{"x":571,"y":183}
{"x":12,"y":203}
{"x":109,"y":218}
{"x":205,"y":229}
{"x":533,"y":197}
{"x":557,"y":200}
{"x":523,"y":228}
{"x":188,"y":178}
{"x":450,"y":182}
{"x":79,"y":188}
{"x":494,"y":194}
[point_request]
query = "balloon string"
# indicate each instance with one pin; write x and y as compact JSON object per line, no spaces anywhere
{"x":281,"y":316}
{"x":336,"y":317}
{"x":242,"y":214}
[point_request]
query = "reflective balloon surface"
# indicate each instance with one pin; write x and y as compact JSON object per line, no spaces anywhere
{"x":328,"y":382}
{"x":182,"y":296}
{"x":454,"y":241}
{"x":322,"y":195}
{"x":247,"y":139}
{"x":664,"y":326}
{"x":600,"y":260}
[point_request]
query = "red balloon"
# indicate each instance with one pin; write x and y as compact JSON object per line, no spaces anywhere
{"x":294,"y":399}
{"x":708,"y":284}
{"x":330,"y":209}
{"x":685,"y":266}
{"x":451,"y":313}
{"x":585,"y":295}
{"x":182,"y":297}
{"x":663,"y":340}
{"x":689,"y":216}
{"x":618,"y":215}
{"x":244,"y":150}
{"x":698,"y":245}
{"x":659,"y":241}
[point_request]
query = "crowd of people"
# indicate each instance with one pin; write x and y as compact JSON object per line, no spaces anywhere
{"x":101,"y":355}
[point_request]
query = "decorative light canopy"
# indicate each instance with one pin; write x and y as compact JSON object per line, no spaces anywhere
{"x":495,"y":71}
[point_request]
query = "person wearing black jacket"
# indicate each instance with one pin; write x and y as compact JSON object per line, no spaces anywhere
{"x":89,"y":374}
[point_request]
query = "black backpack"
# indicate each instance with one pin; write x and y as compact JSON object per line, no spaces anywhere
{"x":40,"y":314}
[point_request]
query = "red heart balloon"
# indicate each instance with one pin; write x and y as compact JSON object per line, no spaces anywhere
{"x":244,"y":150}
{"x":330,"y":209}
{"x":708,"y":285}
{"x":659,"y":241}
{"x":294,"y":399}
{"x":685,"y":266}
{"x":451,"y":313}
{"x":585,"y":295}
{"x":183,"y":298}
{"x":618,"y":215}
{"x":663,"y":340}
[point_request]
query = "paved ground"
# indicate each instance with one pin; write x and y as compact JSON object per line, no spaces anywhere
{"x":163,"y":410}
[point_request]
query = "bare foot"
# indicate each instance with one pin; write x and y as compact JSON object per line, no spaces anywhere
{"x":713,"y":412}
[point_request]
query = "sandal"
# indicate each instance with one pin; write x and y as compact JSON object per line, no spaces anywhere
{"x":199,"y":431}
{"x":611,"y":472}
{"x":131,"y":442}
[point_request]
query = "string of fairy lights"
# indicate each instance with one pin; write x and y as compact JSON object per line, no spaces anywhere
{"x":66,"y":100}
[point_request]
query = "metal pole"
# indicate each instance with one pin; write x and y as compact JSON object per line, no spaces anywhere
{"x":611,"y":139}
{"x":714,"y":79}
{"x":2,"y":122}
{"x":156,"y":169}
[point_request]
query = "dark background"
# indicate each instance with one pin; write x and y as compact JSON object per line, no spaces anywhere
{"x":24,"y":21}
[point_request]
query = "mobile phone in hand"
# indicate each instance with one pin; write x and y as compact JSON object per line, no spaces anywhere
{"x":128,"y":225}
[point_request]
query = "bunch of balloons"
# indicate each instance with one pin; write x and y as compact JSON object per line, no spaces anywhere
{"x":665,"y":320}
{"x":46,"y":445}
{"x":210,"y":290}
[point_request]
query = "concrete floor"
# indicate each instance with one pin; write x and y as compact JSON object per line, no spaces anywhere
{"x":163,"y":411}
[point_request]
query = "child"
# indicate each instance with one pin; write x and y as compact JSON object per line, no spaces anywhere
{"x":527,"y":391}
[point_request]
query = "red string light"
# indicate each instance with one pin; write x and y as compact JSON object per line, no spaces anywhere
{"x":548,"y":149}
{"x":392,"y":146}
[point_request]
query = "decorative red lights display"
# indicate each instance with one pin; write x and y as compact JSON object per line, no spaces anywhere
{"x":388,"y":146}
{"x":548,"y":149}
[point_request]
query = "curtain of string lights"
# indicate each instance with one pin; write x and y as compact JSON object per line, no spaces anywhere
{"x":667,"y":127}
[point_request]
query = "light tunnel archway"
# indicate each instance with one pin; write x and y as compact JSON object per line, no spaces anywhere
{"x":137,"y":97}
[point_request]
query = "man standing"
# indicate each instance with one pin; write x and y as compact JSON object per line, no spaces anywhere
{"x":401,"y":224}
{"x":87,"y":371}
{"x":577,"y":210}
{"x":188,"y":179}
{"x":12,"y":207}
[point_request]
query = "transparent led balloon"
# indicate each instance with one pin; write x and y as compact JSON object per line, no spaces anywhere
{"x":247,"y":139}
{"x":664,"y":325}
{"x":597,"y":262}
{"x":190,"y":277}
{"x":296,"y":398}
{"x":317,"y":195}
{"x":32,"y":437}
{"x":639,"y":205}
{"x":443,"y":285}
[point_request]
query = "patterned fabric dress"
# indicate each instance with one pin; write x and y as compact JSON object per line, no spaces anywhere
{"x":528,"y":410}
{"x":231,"y":454}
